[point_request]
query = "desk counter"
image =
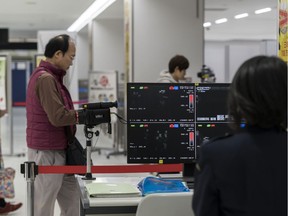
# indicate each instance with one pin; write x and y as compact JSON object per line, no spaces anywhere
{"x":108,"y":206}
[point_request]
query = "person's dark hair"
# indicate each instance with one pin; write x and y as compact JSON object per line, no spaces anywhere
{"x":179,"y":61}
{"x":258,"y":93}
{"x":60,"y":42}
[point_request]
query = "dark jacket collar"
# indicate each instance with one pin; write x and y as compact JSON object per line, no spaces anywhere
{"x":54,"y":70}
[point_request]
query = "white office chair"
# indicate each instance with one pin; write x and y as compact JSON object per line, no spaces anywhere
{"x":166,"y":204}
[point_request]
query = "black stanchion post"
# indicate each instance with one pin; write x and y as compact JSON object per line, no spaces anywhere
{"x":30,"y":170}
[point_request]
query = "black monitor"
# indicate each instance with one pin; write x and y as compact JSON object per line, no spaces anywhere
{"x":168,"y":122}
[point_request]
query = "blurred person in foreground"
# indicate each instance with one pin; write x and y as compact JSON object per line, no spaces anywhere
{"x":245,"y":174}
{"x":177,"y":70}
{"x":49,"y":110}
{"x":6,"y":183}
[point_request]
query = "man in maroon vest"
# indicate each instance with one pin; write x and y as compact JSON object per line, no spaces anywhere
{"x":49,"y":109}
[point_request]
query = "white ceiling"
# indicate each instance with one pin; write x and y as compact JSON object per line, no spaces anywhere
{"x":261,"y":26}
{"x":24,"y":18}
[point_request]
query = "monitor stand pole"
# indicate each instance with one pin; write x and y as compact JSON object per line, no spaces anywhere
{"x":188,"y":173}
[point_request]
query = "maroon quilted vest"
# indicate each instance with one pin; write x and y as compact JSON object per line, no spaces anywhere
{"x":41,"y":134}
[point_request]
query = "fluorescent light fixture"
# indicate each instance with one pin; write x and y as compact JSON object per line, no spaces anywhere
{"x":222,"y":20}
{"x":239,"y":16}
{"x":89,"y":14}
{"x":264,"y":10}
{"x":207,"y":24}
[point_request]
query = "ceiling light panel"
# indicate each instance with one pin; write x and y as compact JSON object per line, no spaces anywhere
{"x":240,"y":16}
{"x":222,"y":20}
{"x":264,"y":10}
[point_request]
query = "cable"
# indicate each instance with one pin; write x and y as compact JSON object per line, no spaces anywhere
{"x":97,"y":133}
{"x":122,"y":120}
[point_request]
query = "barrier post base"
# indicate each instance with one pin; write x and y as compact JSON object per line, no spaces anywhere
{"x":30,"y":170}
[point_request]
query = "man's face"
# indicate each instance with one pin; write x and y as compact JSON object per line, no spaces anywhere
{"x":66,"y":60}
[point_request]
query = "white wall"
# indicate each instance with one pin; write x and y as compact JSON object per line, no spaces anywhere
{"x":214,"y":55}
{"x":225,"y":57}
{"x":238,"y":53}
{"x":82,"y":55}
{"x":162,"y":29}
{"x":269,"y":47}
{"x":108,"y":45}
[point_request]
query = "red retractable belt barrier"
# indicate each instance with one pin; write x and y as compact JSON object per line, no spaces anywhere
{"x":111,"y":169}
{"x":19,"y":103}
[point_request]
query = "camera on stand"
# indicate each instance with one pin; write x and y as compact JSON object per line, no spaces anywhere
{"x":90,"y":115}
{"x":206,"y":75}
{"x":94,"y":114}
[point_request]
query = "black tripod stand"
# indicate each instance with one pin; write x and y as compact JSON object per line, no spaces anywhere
{"x":88,"y":130}
{"x":91,"y":115}
{"x":89,"y":135}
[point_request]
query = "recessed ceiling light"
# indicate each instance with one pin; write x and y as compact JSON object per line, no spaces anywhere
{"x":264,"y":10}
{"x":222,"y":20}
{"x":239,"y":16}
{"x":207,"y":24}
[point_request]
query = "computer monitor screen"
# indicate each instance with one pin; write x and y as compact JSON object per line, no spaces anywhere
{"x":168,"y":122}
{"x":211,"y":102}
{"x":151,"y":102}
{"x":161,"y":142}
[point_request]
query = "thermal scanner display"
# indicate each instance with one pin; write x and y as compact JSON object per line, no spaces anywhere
{"x":168,"y":122}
